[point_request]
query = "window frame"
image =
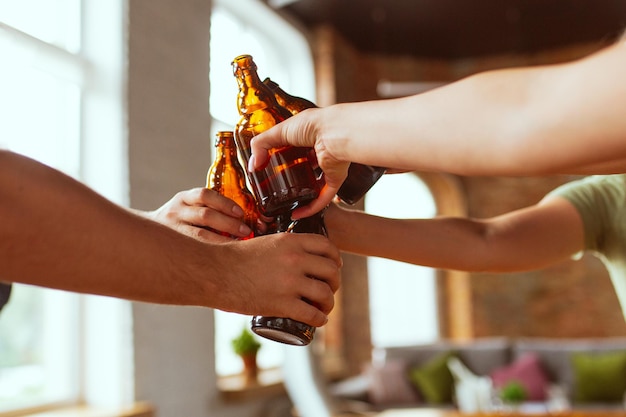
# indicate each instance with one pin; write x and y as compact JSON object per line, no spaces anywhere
{"x":98,"y":69}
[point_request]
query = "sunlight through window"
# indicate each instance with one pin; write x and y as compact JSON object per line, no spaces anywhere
{"x":403,"y":308}
{"x":272,"y":47}
{"x":43,"y":83}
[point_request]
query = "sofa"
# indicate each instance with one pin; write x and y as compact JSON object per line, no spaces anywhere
{"x":560,"y":373}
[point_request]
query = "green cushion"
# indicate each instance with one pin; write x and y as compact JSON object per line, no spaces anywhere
{"x":434,"y":380}
{"x":599,"y":377}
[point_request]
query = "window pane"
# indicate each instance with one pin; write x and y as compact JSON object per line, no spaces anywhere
{"x":54,"y":21}
{"x":402,"y":295}
{"x":41,"y":117}
{"x":230,"y":37}
{"x":37,"y":347}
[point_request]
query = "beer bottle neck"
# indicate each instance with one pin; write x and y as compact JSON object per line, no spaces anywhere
{"x":252,"y":96}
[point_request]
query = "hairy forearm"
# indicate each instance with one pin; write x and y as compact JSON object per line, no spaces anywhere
{"x":57,"y":233}
{"x":523,"y":121}
{"x":54,"y":228}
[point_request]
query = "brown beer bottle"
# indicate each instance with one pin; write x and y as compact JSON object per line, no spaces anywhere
{"x":292,"y":103}
{"x":227,"y":177}
{"x":288,"y":179}
{"x":360,"y":177}
{"x":286,"y":330}
{"x":295,"y":105}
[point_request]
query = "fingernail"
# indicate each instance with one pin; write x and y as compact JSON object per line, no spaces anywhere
{"x":244,"y":230}
{"x":251,"y":164}
{"x":238,"y":211}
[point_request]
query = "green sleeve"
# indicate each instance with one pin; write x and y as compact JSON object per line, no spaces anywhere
{"x":599,"y":200}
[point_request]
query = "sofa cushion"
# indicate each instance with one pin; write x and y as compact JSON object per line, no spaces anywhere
{"x":434,"y":380}
{"x":389,"y":384}
{"x":554,"y":355}
{"x":599,"y":377}
{"x":528,"y":372}
{"x":481,"y":356}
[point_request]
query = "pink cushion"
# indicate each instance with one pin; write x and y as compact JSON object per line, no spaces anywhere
{"x":389,"y":384}
{"x":527,"y":371}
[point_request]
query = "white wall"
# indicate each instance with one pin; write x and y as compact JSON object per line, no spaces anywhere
{"x":169,"y":150}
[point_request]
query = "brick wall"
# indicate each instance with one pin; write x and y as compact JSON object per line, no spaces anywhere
{"x":570,"y":299}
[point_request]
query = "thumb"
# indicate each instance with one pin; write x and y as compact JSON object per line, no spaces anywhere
{"x":298,"y":130}
{"x":261,"y":144}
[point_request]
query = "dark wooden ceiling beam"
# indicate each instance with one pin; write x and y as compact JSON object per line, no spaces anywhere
{"x":462,"y":28}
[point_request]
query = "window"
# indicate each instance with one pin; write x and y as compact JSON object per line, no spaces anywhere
{"x":281,"y":53}
{"x":56,"y":56}
{"x":402,"y":296}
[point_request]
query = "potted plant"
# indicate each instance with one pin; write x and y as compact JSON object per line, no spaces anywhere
{"x":246,"y":346}
{"x":513,"y":393}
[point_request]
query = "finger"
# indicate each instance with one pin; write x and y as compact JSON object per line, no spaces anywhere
{"x":261,"y":144}
{"x":209,"y":218}
{"x":216,"y":201}
{"x":321,"y":246}
{"x":318,"y":294}
{"x":323,"y":263}
{"x":203,"y":235}
{"x":307,"y":313}
{"x":327,"y":274}
{"x":298,"y":130}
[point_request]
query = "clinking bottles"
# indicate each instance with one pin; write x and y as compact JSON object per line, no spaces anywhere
{"x":360,"y":177}
{"x":227,"y":177}
{"x":288,"y":180}
{"x":287,"y":330}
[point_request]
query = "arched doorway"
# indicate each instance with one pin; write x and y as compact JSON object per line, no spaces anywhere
{"x":403,"y":297}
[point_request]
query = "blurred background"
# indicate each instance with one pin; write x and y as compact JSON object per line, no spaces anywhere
{"x":126,"y":96}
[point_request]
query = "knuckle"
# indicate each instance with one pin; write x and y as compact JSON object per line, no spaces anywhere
{"x":205,"y":193}
{"x":206,"y":214}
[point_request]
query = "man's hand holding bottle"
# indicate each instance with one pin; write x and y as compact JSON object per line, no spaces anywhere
{"x":202,"y":213}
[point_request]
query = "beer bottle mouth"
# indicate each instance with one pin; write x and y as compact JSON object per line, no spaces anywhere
{"x":244,"y":61}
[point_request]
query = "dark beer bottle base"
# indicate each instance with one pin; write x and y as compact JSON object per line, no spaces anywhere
{"x":276,"y":204}
{"x":283,"y":330}
{"x":361,"y":178}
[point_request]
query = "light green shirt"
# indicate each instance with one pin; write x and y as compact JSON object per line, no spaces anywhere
{"x":601,"y":202}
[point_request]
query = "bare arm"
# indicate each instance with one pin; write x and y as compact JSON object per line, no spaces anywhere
{"x":57,"y":233}
{"x":565,"y":118}
{"x":525,"y":239}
